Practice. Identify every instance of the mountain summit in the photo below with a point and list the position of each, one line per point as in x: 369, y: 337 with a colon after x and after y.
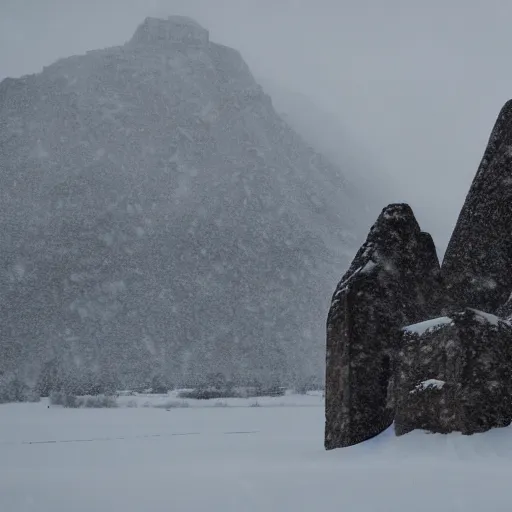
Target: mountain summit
x: 174, y: 30
x: 159, y: 217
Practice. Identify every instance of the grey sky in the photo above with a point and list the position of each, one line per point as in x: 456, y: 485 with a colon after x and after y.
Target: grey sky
x: 418, y: 83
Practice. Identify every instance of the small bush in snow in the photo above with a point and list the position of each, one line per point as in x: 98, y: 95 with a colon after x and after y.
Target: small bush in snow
x: 14, y: 389
x: 76, y: 402
x: 61, y: 398
x: 201, y: 394
x: 126, y: 392
x: 210, y: 393
x: 272, y: 391
x: 172, y: 404
x: 99, y: 402
x: 309, y: 384
x: 159, y: 385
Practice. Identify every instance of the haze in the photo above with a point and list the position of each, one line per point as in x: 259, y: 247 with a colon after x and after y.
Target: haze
x: 417, y: 84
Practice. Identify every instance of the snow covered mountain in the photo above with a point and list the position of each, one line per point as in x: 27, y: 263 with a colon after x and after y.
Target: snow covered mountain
x: 159, y: 217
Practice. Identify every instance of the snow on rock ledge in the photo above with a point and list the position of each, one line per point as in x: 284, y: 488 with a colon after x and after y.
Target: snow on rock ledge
x: 427, y: 325
x: 486, y: 317
x: 429, y: 384
x: 175, y: 29
x: 436, y: 323
x: 469, y: 354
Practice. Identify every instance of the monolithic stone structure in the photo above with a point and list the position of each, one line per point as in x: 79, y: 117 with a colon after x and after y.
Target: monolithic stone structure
x: 394, y: 280
x: 452, y: 373
x: 477, y: 264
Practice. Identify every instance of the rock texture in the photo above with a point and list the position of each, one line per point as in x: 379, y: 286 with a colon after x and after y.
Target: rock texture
x: 454, y: 374
x: 449, y: 373
x: 157, y: 215
x: 394, y: 280
x: 477, y: 263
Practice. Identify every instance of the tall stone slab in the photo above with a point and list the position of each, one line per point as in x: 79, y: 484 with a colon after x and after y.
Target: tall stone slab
x: 477, y: 263
x: 394, y: 280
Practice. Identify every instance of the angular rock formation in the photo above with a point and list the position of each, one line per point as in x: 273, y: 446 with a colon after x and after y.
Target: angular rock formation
x: 394, y: 280
x: 454, y: 374
x: 476, y: 267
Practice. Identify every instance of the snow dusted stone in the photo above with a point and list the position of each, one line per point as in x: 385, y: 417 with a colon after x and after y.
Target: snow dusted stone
x: 476, y: 267
x: 394, y: 280
x: 454, y: 374
x: 505, y: 310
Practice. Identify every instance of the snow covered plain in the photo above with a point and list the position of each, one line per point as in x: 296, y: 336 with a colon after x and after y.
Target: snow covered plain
x: 234, y: 457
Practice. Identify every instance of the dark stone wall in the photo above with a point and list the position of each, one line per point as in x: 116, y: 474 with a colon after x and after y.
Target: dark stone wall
x: 455, y: 376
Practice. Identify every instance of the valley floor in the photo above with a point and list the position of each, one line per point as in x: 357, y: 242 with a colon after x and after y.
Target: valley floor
x: 229, y: 458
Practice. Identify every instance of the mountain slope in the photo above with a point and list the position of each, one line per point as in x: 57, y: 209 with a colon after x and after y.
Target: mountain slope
x: 160, y: 217
x: 327, y: 135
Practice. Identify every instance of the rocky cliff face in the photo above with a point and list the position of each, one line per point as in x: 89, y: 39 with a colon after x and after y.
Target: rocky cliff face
x: 394, y: 279
x: 478, y: 259
x: 157, y: 215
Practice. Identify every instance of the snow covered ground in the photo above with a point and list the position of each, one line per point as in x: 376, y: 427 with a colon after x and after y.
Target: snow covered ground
x: 227, y: 458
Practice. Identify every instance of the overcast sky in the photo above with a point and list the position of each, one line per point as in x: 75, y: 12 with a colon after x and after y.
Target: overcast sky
x: 418, y: 83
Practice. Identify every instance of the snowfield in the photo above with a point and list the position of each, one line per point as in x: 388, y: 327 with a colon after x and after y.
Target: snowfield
x: 235, y: 457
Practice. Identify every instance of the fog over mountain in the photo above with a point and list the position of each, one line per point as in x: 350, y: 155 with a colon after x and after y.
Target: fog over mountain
x: 328, y: 135
x: 417, y: 85
x: 160, y: 218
